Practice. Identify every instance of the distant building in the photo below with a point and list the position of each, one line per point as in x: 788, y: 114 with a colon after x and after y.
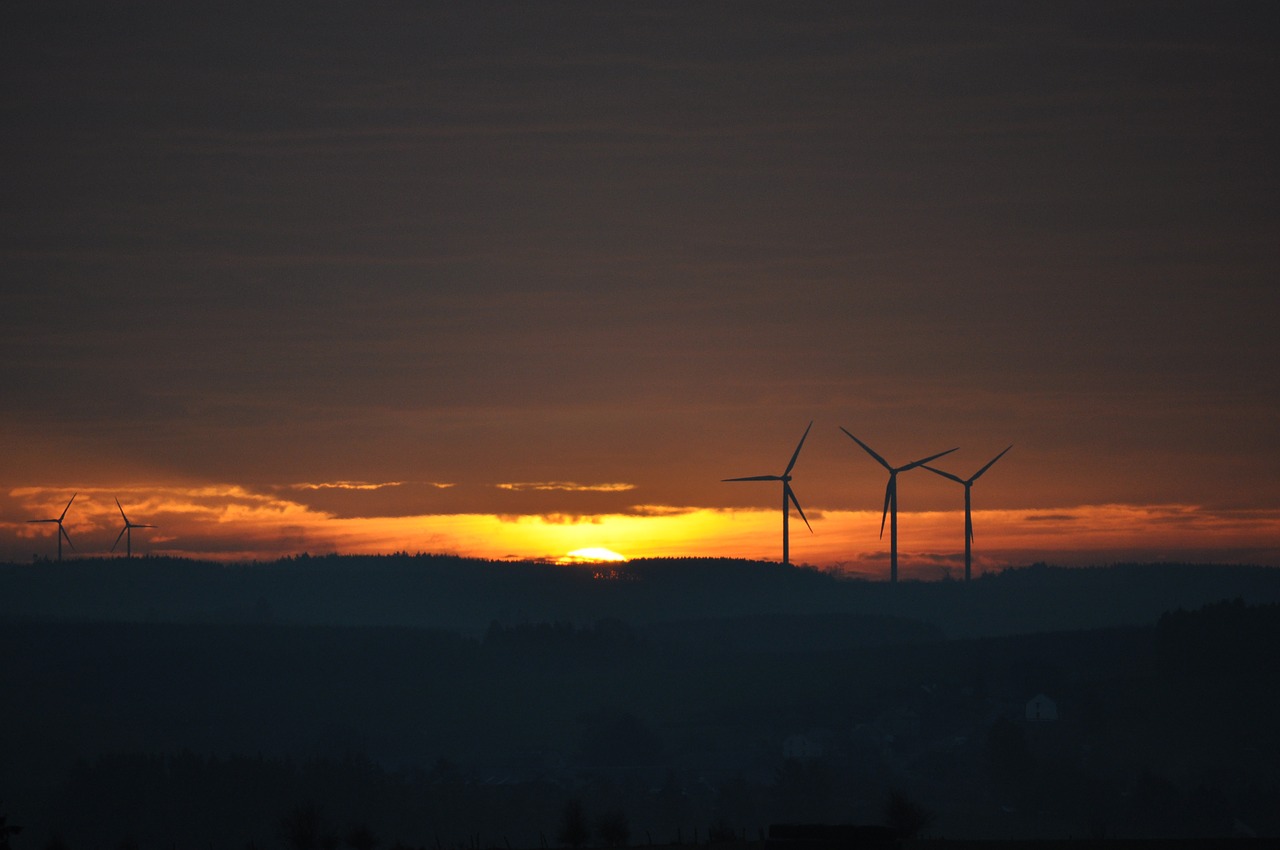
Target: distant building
x: 805, y: 747
x: 1040, y: 708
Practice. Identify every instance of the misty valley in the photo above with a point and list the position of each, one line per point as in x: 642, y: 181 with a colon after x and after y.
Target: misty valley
x: 431, y: 701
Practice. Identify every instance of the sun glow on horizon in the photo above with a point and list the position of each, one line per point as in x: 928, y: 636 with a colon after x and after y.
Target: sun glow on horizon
x: 235, y: 523
x: 592, y: 555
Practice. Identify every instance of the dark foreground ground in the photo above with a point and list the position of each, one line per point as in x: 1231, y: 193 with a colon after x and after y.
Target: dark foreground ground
x: 154, y: 705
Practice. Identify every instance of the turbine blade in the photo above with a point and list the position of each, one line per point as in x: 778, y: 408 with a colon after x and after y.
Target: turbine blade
x: 796, y: 454
x: 755, y: 478
x: 118, y: 536
x: 988, y: 466
x: 68, y: 507
x: 792, y: 496
x: 955, y: 478
x: 968, y: 526
x: 922, y: 461
x: 888, y: 494
x: 65, y: 535
x: 869, y: 450
x: 42, y: 520
x: 126, y: 519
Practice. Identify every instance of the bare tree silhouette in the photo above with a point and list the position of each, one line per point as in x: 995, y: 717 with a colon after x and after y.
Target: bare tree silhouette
x: 905, y: 816
x: 7, y: 831
x: 304, y: 829
x: 613, y: 829
x: 573, y: 825
x: 361, y: 837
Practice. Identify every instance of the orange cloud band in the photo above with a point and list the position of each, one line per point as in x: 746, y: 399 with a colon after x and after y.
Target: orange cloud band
x: 234, y: 523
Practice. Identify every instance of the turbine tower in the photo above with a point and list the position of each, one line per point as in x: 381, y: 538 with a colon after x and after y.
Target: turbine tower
x: 891, y: 499
x: 968, y: 516
x: 788, y: 497
x: 127, y: 533
x: 62, y: 532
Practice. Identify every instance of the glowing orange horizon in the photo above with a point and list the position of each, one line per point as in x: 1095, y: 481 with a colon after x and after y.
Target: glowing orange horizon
x: 592, y: 555
x: 230, y: 523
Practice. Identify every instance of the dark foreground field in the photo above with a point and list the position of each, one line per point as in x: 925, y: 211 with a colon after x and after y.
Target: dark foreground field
x: 316, y: 704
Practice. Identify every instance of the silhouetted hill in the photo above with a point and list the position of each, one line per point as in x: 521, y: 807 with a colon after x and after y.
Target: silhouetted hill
x: 1046, y: 598
x: 465, y: 595
x: 787, y: 633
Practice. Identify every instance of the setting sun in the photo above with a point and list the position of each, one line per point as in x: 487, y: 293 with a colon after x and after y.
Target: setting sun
x: 592, y: 554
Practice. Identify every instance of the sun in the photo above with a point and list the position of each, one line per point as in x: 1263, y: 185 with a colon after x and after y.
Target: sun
x: 592, y: 555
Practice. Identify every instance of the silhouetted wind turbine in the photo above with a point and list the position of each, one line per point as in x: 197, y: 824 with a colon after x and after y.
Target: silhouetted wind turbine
x: 127, y: 533
x: 891, y: 498
x: 968, y: 516
x: 788, y: 497
x: 62, y: 532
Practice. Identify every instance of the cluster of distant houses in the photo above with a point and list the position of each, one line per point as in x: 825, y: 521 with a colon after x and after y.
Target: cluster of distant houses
x: 879, y: 737
x: 815, y: 745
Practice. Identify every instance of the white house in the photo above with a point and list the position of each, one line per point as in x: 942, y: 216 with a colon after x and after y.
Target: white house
x: 1040, y: 708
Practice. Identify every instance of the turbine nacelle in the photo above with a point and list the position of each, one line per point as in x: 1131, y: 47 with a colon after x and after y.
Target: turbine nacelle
x: 127, y: 530
x: 967, y: 483
x: 788, y: 495
x: 890, y: 511
x: 62, y: 531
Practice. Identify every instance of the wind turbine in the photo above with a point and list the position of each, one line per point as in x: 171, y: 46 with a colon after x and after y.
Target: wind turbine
x: 62, y: 532
x: 788, y: 497
x: 891, y: 498
x: 127, y: 533
x: 968, y: 516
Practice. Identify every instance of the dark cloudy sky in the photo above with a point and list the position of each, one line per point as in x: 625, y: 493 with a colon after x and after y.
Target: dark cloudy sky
x: 279, y: 275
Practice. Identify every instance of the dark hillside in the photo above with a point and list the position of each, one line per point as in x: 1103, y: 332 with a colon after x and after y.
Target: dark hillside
x: 463, y: 595
x: 735, y: 693
x: 1152, y: 736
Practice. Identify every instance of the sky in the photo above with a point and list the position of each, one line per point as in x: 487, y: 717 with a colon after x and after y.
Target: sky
x: 516, y: 279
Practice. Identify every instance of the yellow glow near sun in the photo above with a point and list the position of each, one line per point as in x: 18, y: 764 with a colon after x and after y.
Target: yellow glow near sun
x: 592, y: 554
x: 231, y: 522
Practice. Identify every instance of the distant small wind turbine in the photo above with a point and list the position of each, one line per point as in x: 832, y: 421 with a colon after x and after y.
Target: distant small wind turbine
x: 62, y: 532
x: 788, y: 497
x: 891, y: 498
x: 127, y: 533
x: 968, y: 516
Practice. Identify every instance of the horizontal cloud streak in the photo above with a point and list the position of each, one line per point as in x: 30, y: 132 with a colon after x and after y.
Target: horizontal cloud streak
x: 231, y: 522
x: 353, y: 485
x: 566, y: 486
